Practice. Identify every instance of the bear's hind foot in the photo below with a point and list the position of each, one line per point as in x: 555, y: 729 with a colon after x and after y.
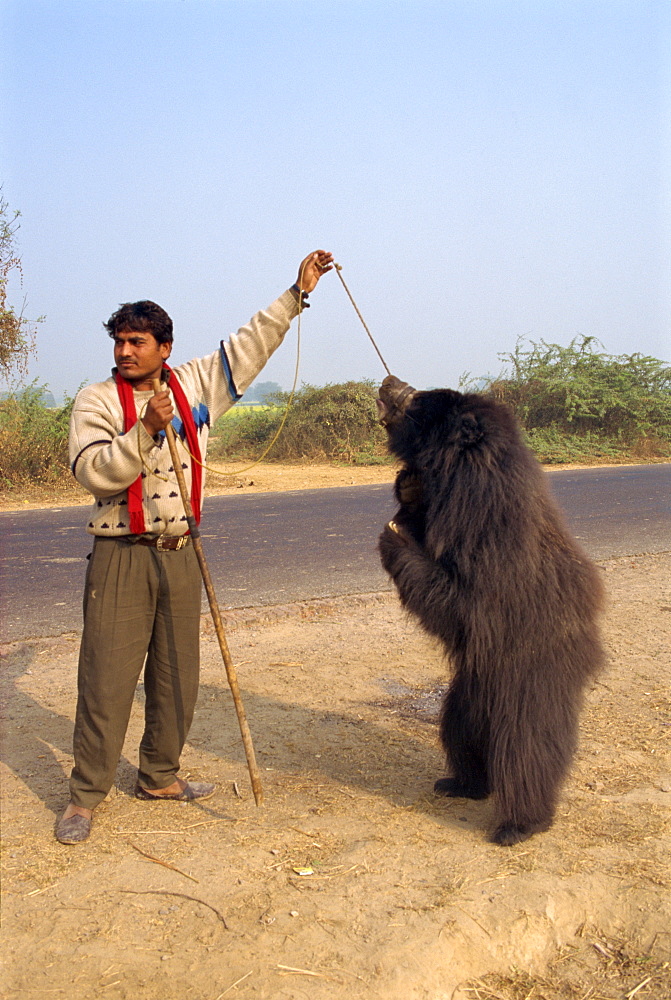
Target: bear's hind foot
x: 507, y: 834
x: 455, y: 789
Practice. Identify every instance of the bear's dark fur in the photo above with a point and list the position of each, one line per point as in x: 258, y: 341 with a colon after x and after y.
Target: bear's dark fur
x: 480, y: 554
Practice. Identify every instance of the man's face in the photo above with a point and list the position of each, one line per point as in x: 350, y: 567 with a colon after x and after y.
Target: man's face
x: 139, y: 356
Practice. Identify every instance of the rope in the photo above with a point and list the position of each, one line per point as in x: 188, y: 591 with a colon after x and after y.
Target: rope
x: 218, y: 472
x: 286, y: 409
x: 338, y: 268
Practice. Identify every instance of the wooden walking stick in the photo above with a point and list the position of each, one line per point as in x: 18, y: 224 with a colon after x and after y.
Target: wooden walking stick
x: 214, y: 609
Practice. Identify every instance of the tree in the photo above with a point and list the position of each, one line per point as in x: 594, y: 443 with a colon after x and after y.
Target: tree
x: 259, y: 391
x: 17, y: 334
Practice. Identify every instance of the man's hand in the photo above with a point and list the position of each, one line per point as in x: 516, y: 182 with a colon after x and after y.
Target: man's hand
x: 158, y: 414
x: 312, y: 268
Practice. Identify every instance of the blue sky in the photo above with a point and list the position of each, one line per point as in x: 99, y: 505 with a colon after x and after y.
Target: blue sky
x: 483, y: 171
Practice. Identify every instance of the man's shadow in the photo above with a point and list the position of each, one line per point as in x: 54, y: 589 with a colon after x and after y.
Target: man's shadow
x: 36, y: 741
x: 341, y: 746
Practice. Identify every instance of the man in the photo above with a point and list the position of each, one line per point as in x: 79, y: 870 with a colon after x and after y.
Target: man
x: 143, y: 584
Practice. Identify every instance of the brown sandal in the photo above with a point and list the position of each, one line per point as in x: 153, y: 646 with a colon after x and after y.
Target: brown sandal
x: 192, y: 790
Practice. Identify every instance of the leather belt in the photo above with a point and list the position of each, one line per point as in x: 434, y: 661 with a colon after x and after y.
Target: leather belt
x: 162, y: 542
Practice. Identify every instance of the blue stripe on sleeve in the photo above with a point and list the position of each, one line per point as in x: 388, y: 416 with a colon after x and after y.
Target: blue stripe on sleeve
x: 228, y: 375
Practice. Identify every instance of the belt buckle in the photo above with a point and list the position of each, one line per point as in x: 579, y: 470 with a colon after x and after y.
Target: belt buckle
x: 171, y: 543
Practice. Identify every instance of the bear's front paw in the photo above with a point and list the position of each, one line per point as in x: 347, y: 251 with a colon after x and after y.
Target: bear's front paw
x: 398, y: 531
x: 408, y: 488
x: 393, y: 538
x: 391, y: 543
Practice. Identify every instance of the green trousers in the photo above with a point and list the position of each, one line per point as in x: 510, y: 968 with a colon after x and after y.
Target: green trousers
x: 141, y: 606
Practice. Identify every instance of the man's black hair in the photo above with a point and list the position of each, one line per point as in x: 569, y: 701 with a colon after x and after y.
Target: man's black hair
x: 145, y: 317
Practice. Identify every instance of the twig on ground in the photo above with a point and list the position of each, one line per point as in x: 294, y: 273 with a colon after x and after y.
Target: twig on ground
x: 307, y: 972
x: 233, y: 985
x: 182, y: 895
x: 157, y: 861
x: 640, y: 986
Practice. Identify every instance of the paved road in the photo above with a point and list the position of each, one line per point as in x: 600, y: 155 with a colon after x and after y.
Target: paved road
x: 273, y: 548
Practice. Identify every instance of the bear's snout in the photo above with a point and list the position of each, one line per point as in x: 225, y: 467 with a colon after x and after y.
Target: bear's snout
x: 394, y: 397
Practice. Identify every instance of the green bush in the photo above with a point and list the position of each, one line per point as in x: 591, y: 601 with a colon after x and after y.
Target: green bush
x: 334, y: 423
x: 580, y: 391
x: 576, y: 404
x: 553, y: 447
x: 33, y: 439
x: 244, y: 434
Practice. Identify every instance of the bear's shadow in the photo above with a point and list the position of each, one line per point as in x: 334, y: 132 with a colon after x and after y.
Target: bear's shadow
x: 343, y: 747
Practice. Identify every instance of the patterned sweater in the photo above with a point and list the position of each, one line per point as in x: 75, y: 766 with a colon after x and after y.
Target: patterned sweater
x: 105, y: 461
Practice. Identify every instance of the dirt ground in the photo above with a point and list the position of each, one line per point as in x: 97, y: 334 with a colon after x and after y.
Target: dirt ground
x: 234, y: 477
x: 351, y: 880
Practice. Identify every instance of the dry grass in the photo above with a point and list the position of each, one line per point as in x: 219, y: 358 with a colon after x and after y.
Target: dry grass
x: 619, y: 971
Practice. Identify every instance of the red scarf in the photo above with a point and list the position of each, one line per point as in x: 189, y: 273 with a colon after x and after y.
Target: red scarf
x: 135, y: 509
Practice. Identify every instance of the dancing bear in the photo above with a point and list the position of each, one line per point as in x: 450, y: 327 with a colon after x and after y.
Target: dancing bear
x: 480, y: 554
